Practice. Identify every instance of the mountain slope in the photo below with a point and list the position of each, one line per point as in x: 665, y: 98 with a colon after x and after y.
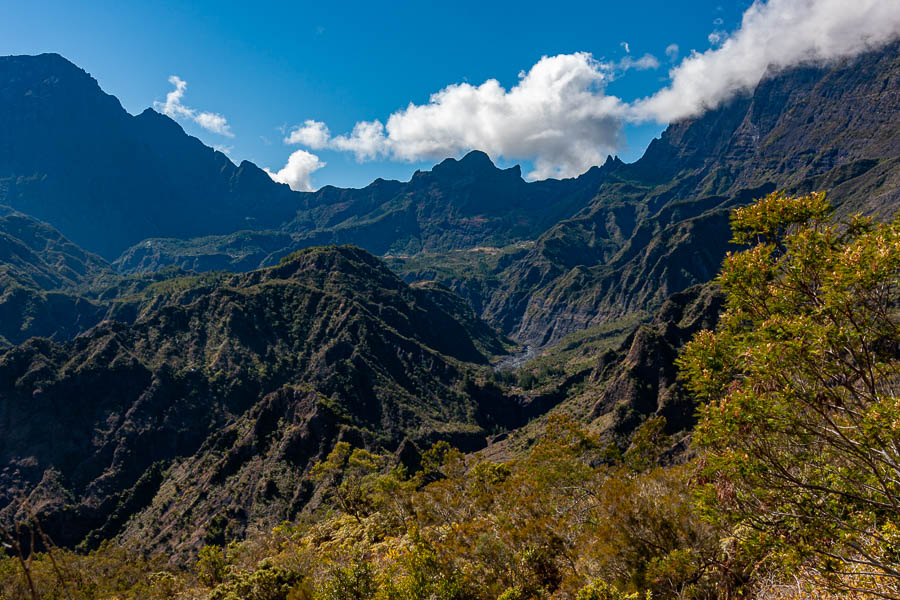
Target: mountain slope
x: 614, y: 377
x: 70, y: 155
x: 458, y: 205
x: 660, y: 225
x: 51, y: 288
x: 329, y: 340
x: 39, y: 271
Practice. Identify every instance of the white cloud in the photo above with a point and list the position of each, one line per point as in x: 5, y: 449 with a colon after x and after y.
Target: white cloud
x: 626, y: 46
x: 672, y: 52
x: 173, y: 107
x: 296, y: 173
x: 717, y: 37
x: 559, y: 117
x: 367, y: 141
x: 773, y: 36
x: 556, y: 115
x: 213, y: 122
x: 313, y: 134
x: 647, y: 61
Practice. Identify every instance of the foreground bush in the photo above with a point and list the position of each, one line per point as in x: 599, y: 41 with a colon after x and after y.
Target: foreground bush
x: 564, y: 520
x: 801, y: 420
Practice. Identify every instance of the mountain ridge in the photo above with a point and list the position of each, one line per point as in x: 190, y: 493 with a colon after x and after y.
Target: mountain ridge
x: 648, y: 234
x: 329, y: 331
x: 70, y: 155
x: 625, y: 233
x: 175, y: 397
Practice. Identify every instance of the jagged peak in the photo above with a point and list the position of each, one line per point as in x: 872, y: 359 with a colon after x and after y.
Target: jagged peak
x: 151, y: 115
x: 474, y: 162
x: 477, y: 158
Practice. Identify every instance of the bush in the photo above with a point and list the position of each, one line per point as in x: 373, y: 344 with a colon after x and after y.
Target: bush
x: 801, y: 419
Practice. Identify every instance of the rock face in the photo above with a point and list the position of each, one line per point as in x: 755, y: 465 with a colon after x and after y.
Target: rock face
x: 256, y: 377
x: 459, y: 204
x: 660, y: 225
x: 640, y: 379
x: 71, y: 156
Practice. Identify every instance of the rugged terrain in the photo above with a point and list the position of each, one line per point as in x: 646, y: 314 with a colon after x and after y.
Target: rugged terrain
x: 660, y: 225
x: 175, y: 356
x: 619, y: 239
x: 255, y: 375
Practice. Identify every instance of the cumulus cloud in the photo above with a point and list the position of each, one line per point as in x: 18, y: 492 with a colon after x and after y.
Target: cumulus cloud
x: 559, y: 116
x: 773, y: 36
x: 298, y: 170
x: 313, y: 134
x: 173, y: 107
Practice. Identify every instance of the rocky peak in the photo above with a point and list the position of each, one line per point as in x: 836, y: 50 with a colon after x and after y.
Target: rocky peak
x: 475, y: 164
x: 51, y: 86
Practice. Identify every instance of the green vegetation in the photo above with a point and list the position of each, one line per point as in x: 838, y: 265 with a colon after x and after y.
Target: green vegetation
x: 289, y: 431
x: 242, y: 384
x: 801, y: 421
x: 791, y: 492
x: 477, y: 264
x: 579, y: 350
x: 458, y: 529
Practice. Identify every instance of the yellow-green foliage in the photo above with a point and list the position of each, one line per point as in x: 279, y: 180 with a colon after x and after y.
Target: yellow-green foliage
x: 801, y: 424
x: 796, y: 480
x: 600, y: 590
x: 544, y: 526
x: 106, y: 573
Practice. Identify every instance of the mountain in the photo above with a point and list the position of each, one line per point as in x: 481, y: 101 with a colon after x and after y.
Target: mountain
x: 240, y: 251
x: 619, y: 239
x: 660, y: 225
x: 40, y: 271
x: 458, y: 205
x: 255, y: 377
x: 70, y: 155
x: 37, y: 255
x: 170, y: 403
x: 51, y: 288
x: 616, y: 376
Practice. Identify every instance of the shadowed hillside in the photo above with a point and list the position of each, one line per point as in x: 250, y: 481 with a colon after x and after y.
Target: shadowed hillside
x: 328, y: 345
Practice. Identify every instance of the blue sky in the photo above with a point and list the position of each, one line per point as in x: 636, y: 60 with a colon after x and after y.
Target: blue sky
x: 267, y: 67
